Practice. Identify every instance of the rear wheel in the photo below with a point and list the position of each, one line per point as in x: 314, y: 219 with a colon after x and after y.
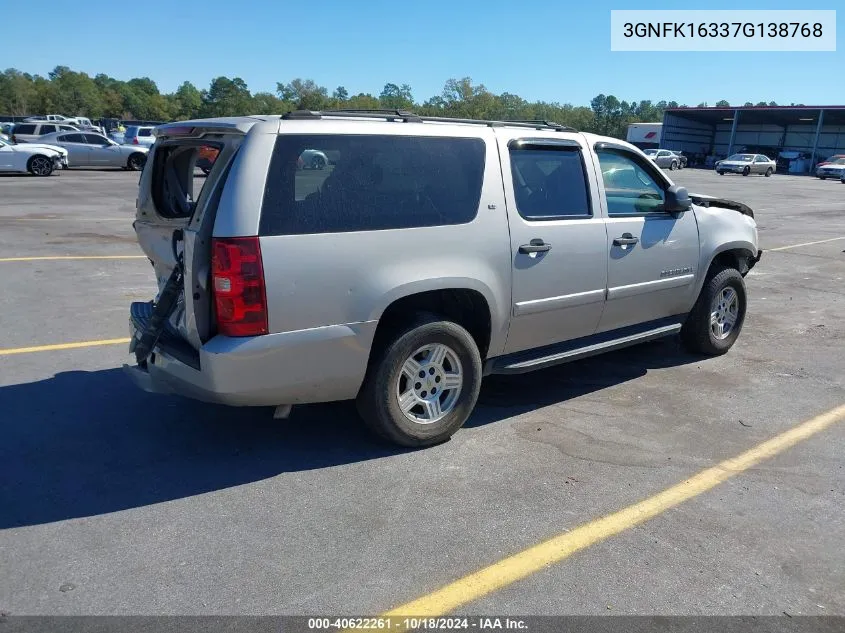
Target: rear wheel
x: 318, y: 162
x: 423, y: 385
x: 721, y: 173
x: 40, y: 165
x: 673, y: 165
x: 715, y: 321
x: 136, y: 162
x: 768, y: 172
x: 822, y: 177
x: 746, y: 170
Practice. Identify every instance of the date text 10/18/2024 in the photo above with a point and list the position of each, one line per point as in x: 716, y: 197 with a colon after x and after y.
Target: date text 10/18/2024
x: 418, y: 624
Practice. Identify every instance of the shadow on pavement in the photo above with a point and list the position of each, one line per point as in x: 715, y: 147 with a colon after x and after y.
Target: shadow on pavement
x: 85, y: 443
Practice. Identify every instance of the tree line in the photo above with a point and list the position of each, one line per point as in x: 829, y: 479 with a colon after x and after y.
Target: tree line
x: 72, y: 93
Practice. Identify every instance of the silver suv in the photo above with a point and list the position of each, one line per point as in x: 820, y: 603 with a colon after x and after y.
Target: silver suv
x: 427, y: 254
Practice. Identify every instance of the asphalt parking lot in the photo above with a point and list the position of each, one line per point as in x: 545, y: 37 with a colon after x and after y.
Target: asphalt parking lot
x: 113, y: 501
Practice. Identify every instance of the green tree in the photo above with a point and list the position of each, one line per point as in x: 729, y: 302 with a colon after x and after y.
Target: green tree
x: 186, y: 102
x: 723, y: 104
x: 396, y: 97
x: 340, y: 94
x: 303, y: 94
x: 226, y: 97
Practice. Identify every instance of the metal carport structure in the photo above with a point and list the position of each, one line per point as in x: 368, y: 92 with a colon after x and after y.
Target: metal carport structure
x: 815, y: 132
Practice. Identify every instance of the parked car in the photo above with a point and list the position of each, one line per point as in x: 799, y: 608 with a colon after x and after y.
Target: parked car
x: 664, y: 158
x: 139, y: 135
x: 46, y: 117
x: 746, y: 164
x: 313, y: 159
x: 35, y: 158
x: 684, y: 160
x: 311, y: 288
x: 834, y: 169
x: 87, y: 149
x: 31, y: 132
x: 831, y: 159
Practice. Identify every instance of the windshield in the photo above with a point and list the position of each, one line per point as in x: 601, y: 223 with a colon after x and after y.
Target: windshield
x: 839, y: 161
x: 745, y: 158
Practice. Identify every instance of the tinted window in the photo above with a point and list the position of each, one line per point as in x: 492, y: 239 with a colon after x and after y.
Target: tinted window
x: 46, y: 129
x: 66, y: 127
x: 339, y: 183
x: 549, y: 183
x: 95, y: 139
x: 72, y: 138
x: 143, y: 132
x: 25, y: 129
x: 629, y: 187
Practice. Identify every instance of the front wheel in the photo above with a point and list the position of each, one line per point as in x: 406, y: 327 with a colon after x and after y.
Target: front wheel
x: 821, y: 177
x: 318, y: 162
x: 746, y: 170
x: 768, y: 172
x: 423, y: 385
x: 40, y: 166
x: 715, y: 321
x: 721, y: 173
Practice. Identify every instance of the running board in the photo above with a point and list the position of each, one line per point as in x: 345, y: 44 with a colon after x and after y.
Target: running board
x: 530, y: 360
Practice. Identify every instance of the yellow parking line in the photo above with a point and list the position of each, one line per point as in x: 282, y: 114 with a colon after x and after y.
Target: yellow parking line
x: 69, y: 257
x: 558, y: 548
x: 60, y: 346
x: 783, y: 248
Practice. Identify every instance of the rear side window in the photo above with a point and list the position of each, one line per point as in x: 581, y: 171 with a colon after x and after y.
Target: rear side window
x: 25, y: 129
x: 46, y: 129
x: 344, y: 183
x: 72, y: 138
x: 143, y: 132
x: 550, y: 183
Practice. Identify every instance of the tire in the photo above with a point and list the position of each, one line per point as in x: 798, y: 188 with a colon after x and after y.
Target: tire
x: 821, y: 177
x: 40, y: 165
x: 387, y: 378
x: 721, y: 173
x: 697, y: 333
x: 746, y: 170
x: 673, y: 165
x: 768, y: 172
x: 136, y: 161
x: 318, y: 162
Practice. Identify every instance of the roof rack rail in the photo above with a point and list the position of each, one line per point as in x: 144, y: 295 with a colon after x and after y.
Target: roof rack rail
x: 390, y: 115
x: 543, y: 122
x: 411, y: 117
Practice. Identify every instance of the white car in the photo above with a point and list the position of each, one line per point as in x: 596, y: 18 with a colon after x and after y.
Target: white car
x: 834, y: 169
x: 35, y: 158
x: 746, y: 164
x: 29, y: 132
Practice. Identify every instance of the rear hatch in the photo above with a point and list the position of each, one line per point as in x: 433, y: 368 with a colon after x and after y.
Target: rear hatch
x: 176, y: 208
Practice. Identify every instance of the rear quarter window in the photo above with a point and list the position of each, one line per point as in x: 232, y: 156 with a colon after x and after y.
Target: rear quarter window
x: 345, y: 183
x: 25, y: 129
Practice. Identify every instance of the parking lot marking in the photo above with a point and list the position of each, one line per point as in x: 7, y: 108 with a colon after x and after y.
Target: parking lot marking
x: 539, y: 557
x: 68, y: 257
x: 783, y: 248
x: 60, y: 346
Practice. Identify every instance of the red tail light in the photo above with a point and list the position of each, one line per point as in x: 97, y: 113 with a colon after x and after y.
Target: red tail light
x: 238, y: 277
x: 135, y: 140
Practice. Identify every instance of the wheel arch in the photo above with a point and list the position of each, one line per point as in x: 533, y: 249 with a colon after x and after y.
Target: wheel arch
x: 468, y: 303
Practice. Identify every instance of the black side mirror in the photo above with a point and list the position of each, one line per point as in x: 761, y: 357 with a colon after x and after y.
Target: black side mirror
x: 677, y: 200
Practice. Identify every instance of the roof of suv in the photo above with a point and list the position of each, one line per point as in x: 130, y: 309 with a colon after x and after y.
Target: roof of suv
x: 244, y: 123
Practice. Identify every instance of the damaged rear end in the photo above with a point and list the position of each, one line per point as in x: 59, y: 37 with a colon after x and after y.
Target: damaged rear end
x: 180, y: 193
